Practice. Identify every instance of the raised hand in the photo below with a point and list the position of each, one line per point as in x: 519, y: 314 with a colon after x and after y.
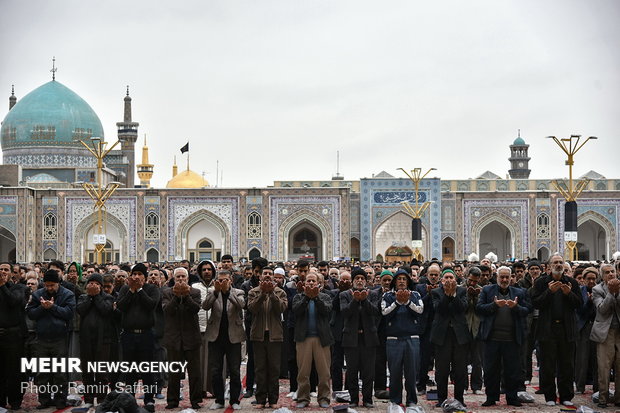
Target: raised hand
x: 499, y: 303
x: 512, y: 303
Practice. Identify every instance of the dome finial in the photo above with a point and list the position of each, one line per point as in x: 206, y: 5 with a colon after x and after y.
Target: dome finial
x: 518, y: 133
x: 12, y: 90
x: 127, y: 90
x: 54, y: 68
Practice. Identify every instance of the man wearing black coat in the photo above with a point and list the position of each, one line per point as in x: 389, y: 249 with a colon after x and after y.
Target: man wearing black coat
x: 359, y: 308
x: 97, y: 335
x: 137, y: 301
x: 557, y: 297
x: 12, y: 334
x: 52, y: 307
x: 450, y: 335
x: 182, y: 337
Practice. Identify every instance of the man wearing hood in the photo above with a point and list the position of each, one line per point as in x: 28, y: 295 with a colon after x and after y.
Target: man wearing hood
x: 97, y: 334
x: 206, y: 272
x: 52, y: 307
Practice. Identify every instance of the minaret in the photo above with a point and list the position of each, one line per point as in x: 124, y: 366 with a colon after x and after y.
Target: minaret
x: 145, y: 169
x: 12, y: 98
x: 128, y: 135
x: 519, y: 159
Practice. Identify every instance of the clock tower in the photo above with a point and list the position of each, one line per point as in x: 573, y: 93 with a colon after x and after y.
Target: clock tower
x: 519, y: 168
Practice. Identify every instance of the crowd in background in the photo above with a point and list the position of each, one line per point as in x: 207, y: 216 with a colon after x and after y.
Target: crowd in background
x: 326, y: 327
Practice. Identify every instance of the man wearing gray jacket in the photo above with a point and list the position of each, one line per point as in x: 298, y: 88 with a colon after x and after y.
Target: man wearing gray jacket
x: 606, y: 331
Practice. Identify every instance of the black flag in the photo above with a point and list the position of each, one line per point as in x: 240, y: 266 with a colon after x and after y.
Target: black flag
x: 185, y: 148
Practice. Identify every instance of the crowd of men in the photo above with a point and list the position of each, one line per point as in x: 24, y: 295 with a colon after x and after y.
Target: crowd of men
x: 477, y: 324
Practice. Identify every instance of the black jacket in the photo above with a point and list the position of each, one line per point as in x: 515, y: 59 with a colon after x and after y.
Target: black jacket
x: 96, y: 318
x: 542, y: 298
x: 138, y: 309
x: 53, y: 323
x: 352, y: 311
x: 323, y: 303
x: 449, y: 313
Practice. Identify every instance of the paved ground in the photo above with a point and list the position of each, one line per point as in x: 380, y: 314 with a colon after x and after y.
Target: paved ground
x: 473, y: 403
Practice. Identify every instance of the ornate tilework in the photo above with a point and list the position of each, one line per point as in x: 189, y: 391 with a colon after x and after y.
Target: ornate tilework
x: 324, y: 211
x: 8, y: 214
x: 511, y: 212
x: 609, y: 209
x: 372, y: 213
x: 41, y: 160
x: 77, y: 210
x: 180, y: 208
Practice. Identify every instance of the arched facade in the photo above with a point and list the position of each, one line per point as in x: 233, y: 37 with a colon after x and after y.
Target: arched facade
x: 596, y: 236
x: 395, y: 231
x: 7, y: 245
x: 83, y: 238
x: 195, y: 227
x: 495, y: 237
x: 447, y: 249
x: 514, y: 247
x: 297, y: 221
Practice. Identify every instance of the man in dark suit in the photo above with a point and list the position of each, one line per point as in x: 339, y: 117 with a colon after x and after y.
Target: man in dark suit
x: 225, y: 334
x: 450, y: 335
x: 182, y: 336
x: 503, y: 309
x: 557, y: 296
x: 360, y: 314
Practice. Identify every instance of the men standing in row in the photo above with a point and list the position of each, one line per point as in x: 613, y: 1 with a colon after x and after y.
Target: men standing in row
x: 182, y: 337
x: 503, y: 309
x: 52, y: 307
x: 267, y: 302
x: 137, y: 302
x: 557, y: 296
x: 360, y: 313
x: 12, y: 334
x: 225, y: 334
x: 314, y: 338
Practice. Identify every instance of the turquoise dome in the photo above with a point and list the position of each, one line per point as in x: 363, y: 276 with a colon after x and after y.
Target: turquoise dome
x: 519, y: 141
x: 51, y: 115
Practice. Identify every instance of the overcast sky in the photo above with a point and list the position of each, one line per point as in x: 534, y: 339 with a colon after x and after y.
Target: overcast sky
x: 272, y: 89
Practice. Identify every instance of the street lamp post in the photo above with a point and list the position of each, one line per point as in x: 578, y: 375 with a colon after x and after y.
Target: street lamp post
x: 570, y: 191
x: 99, y: 194
x: 416, y: 211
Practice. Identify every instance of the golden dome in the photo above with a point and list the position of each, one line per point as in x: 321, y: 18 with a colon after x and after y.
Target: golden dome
x: 187, y: 179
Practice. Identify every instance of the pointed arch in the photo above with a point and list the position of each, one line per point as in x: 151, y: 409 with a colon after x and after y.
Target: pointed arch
x: 301, y: 216
x: 606, y: 243
x: 254, y: 253
x: 81, y: 241
x: 8, y: 244
x: 515, y: 233
x: 181, y: 243
x: 401, y: 235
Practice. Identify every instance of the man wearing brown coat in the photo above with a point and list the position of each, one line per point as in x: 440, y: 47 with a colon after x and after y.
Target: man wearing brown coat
x: 267, y: 302
x: 182, y: 336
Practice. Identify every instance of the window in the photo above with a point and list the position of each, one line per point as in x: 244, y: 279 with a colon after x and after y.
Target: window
x: 254, y: 225
x: 205, y: 250
x: 542, y: 226
x: 151, y: 226
x: 50, y: 231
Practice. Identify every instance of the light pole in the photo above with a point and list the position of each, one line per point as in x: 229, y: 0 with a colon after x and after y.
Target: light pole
x: 99, y: 194
x: 416, y: 211
x: 570, y: 192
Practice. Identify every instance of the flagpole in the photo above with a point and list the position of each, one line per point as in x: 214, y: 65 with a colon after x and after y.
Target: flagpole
x: 217, y: 173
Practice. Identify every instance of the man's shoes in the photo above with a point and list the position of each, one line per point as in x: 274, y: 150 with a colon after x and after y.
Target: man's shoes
x: 568, y: 403
x: 439, y: 403
x: 150, y: 407
x: 216, y: 406
x: 353, y: 405
x: 236, y: 406
x: 172, y: 405
x: 602, y: 405
x: 255, y: 402
x: 302, y: 405
x: 421, y: 391
x: 369, y: 405
x: 196, y: 406
x: 382, y: 394
x: 463, y: 403
x: 313, y: 394
x: 324, y: 404
x: 248, y: 393
x: 540, y: 391
x: 488, y: 403
x: 478, y: 392
x: 515, y: 403
x: 160, y: 396
x: 290, y: 395
x: 550, y: 403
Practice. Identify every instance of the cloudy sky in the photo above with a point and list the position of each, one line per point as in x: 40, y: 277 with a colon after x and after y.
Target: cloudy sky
x: 272, y: 89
